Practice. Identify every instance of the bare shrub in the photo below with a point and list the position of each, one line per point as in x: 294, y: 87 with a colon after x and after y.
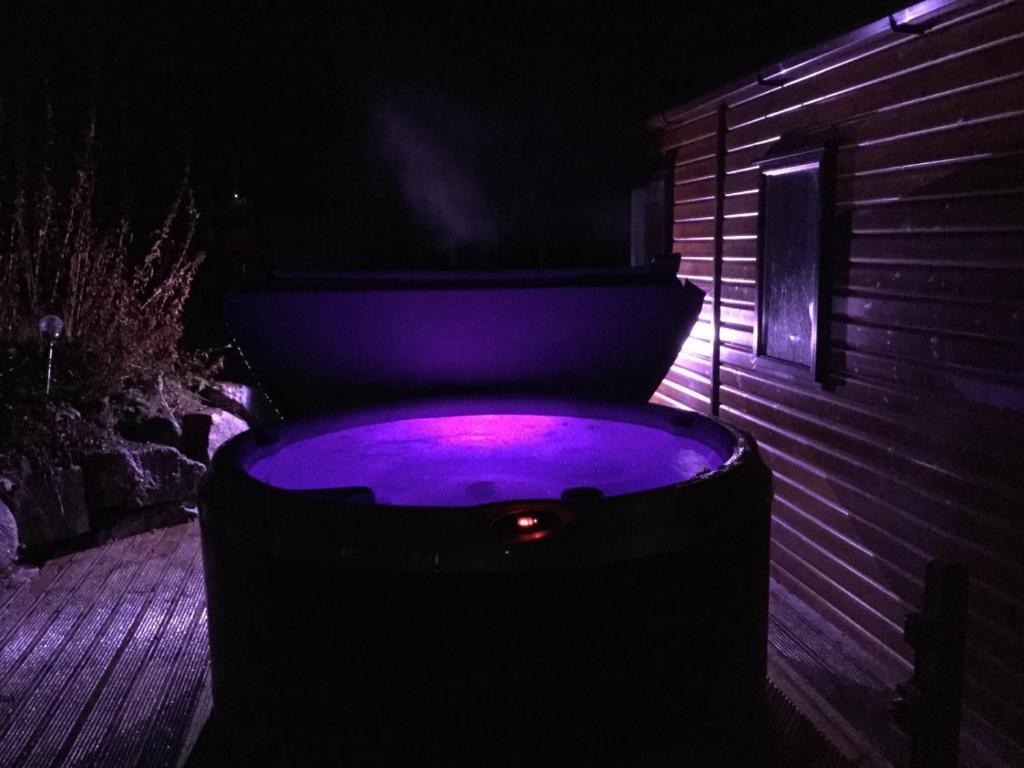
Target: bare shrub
x: 63, y: 252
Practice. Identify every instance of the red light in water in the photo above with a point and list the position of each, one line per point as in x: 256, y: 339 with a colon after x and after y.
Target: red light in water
x: 527, y: 521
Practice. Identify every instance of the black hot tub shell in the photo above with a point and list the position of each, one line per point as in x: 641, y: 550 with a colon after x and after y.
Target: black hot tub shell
x: 502, y: 563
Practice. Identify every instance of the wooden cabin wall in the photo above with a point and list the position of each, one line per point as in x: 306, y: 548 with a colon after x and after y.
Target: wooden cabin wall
x: 912, y: 449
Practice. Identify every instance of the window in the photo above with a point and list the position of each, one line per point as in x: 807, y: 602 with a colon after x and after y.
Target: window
x: 792, y: 312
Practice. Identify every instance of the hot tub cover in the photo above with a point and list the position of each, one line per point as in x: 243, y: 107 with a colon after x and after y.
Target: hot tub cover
x: 319, y: 340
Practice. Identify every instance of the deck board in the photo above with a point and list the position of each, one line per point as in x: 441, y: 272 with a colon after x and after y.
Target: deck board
x: 105, y: 663
x: 100, y: 735
x: 40, y: 607
x: 92, y: 670
x: 46, y: 689
x: 159, y: 679
x: 837, y: 669
x: 80, y: 668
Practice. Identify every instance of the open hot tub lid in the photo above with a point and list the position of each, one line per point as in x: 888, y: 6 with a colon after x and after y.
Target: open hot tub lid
x: 318, y: 340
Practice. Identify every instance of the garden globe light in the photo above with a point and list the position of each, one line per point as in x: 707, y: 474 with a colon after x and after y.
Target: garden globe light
x: 50, y: 329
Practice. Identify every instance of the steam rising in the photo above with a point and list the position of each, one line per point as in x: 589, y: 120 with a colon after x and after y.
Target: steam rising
x: 434, y: 155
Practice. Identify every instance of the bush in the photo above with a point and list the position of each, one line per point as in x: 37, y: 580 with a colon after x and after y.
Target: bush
x: 63, y: 252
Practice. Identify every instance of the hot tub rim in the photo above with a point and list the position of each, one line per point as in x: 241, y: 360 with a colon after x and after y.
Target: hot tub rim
x: 326, y: 524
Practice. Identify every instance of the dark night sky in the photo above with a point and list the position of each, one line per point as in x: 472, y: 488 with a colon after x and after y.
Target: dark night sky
x: 359, y: 131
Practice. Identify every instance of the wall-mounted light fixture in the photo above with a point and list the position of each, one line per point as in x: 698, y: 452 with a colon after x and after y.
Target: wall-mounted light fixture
x: 907, y: 27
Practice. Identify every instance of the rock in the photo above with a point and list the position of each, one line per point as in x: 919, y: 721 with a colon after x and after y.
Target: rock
x: 8, y: 537
x: 134, y: 396
x: 228, y: 396
x: 240, y: 400
x: 204, y: 433
x: 133, y: 476
x: 47, y: 505
x: 113, y: 524
x: 66, y: 416
x: 14, y: 576
x: 223, y: 426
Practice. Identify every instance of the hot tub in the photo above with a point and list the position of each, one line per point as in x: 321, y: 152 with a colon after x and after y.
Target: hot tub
x: 520, y: 572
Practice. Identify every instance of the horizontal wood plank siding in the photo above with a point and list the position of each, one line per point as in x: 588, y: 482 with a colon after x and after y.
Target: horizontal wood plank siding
x: 914, y: 447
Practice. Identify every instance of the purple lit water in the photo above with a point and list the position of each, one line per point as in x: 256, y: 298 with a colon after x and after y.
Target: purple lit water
x: 475, y: 459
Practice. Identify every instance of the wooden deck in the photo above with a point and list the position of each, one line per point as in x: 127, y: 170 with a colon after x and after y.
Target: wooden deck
x: 103, y: 662
x: 103, y: 655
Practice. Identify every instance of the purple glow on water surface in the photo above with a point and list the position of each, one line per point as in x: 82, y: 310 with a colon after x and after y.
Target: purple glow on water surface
x: 479, y: 431
x: 475, y: 459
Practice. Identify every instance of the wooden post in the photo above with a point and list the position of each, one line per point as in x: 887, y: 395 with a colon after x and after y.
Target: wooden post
x: 928, y: 707
x: 721, y: 148
x: 195, y: 436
